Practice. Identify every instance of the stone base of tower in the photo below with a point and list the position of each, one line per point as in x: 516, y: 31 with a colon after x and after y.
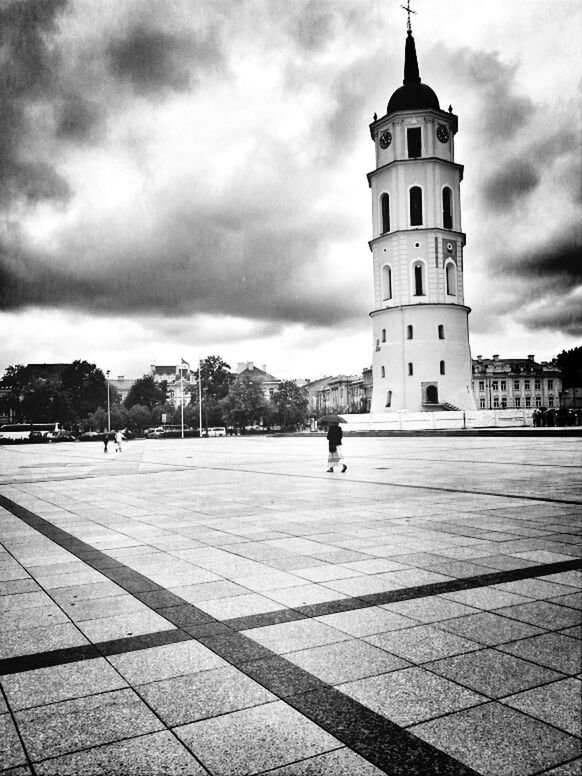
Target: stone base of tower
x: 421, y: 360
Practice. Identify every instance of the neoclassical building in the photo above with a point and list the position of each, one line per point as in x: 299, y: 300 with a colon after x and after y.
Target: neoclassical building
x: 421, y: 358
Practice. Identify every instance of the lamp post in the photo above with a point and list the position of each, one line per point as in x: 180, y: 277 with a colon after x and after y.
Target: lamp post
x: 108, y: 404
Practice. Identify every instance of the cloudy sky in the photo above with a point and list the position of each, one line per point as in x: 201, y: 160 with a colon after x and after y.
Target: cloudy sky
x: 180, y: 178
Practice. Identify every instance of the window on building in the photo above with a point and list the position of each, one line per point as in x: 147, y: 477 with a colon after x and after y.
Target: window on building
x: 383, y: 371
x: 496, y: 402
x: 537, y: 385
x: 441, y: 331
x: 495, y: 385
x: 442, y: 367
x: 538, y: 401
x: 528, y: 401
x: 386, y: 282
x: 503, y: 385
x: 526, y: 385
x: 383, y: 335
x: 550, y: 401
x: 447, y: 208
x: 481, y: 404
x: 481, y: 385
x: 389, y: 398
x: 419, y: 279
x: 518, y: 401
x: 415, y: 206
x: 414, y: 139
x: 550, y: 385
x: 377, y: 344
x: 385, y: 207
x: 451, y: 278
x: 503, y: 403
x: 516, y: 385
x: 409, y: 332
x: 410, y: 368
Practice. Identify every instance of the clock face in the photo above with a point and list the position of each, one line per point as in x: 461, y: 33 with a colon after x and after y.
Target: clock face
x: 442, y: 133
x: 385, y: 139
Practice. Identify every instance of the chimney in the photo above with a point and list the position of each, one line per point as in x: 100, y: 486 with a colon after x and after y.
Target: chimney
x: 241, y: 366
x: 479, y: 358
x: 531, y: 358
x: 495, y: 356
x: 264, y: 367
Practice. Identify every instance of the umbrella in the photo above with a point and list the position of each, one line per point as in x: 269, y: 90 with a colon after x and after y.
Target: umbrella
x: 332, y: 419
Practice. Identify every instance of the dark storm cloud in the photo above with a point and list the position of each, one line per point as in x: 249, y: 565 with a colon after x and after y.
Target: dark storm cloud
x: 154, y: 61
x: 510, y: 183
x: 26, y: 78
x: 502, y: 111
x: 537, y: 284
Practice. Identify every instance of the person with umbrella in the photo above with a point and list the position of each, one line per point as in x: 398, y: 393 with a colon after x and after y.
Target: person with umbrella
x: 334, y: 439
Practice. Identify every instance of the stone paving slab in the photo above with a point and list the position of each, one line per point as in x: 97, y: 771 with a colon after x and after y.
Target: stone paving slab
x: 224, y: 606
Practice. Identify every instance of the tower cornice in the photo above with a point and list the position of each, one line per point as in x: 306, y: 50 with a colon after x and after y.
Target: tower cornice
x: 421, y: 304
x: 418, y: 230
x: 392, y: 118
x: 419, y: 160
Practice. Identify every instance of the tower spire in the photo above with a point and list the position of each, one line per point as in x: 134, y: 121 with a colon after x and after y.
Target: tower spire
x: 411, y: 72
x: 408, y: 10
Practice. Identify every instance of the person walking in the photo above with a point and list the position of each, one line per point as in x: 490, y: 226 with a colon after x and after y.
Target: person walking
x: 118, y: 440
x: 335, y: 456
x: 105, y: 440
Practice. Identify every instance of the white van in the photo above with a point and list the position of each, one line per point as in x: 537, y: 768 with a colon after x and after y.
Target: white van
x: 216, y: 431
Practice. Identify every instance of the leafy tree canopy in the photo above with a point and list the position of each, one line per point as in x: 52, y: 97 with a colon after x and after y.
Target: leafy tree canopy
x: 290, y: 404
x: 216, y: 380
x: 570, y: 362
x: 147, y: 392
x: 245, y: 403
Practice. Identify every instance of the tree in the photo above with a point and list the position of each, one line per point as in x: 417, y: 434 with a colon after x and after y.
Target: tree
x: 289, y: 404
x: 44, y: 401
x: 570, y: 363
x: 245, y: 403
x: 139, y: 417
x: 216, y: 381
x: 13, y: 384
x: 85, y: 387
x: 146, y: 392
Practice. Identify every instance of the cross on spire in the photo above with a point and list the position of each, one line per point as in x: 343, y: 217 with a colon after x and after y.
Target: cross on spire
x: 408, y: 10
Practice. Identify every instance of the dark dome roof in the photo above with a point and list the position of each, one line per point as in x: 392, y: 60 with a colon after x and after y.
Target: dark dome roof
x: 413, y: 96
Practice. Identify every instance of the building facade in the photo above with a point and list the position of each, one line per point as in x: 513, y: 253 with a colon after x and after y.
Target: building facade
x: 268, y: 383
x: 178, y: 377
x: 508, y: 383
x: 421, y: 358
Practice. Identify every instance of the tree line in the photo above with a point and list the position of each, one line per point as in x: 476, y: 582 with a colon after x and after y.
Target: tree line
x: 75, y: 395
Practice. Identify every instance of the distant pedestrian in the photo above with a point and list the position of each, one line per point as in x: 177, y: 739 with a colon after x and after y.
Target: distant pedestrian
x: 105, y: 440
x: 118, y: 440
x: 335, y: 456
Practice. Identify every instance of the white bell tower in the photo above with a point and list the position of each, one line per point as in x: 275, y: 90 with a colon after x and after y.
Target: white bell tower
x: 421, y: 359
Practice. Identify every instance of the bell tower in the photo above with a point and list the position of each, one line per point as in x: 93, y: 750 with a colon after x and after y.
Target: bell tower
x: 421, y: 359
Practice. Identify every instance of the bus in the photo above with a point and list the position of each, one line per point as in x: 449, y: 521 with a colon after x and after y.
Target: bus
x: 16, y: 431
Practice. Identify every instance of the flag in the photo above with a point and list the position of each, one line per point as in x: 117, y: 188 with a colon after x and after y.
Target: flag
x: 185, y: 362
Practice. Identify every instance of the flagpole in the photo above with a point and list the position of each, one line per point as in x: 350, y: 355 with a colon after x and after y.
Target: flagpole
x: 200, y: 398
x: 182, y: 387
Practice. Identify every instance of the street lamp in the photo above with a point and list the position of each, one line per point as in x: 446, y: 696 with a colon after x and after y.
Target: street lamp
x: 108, y: 404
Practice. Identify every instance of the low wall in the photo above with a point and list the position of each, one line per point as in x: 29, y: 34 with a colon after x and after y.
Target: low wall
x: 403, y: 420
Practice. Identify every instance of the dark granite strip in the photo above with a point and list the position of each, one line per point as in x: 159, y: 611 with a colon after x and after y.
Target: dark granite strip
x: 59, y: 657
x: 404, y: 594
x: 385, y: 744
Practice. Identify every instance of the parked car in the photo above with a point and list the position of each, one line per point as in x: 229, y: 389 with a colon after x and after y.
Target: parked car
x: 216, y: 431
x: 61, y: 436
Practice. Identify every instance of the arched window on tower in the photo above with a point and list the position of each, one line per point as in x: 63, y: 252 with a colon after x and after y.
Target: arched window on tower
x: 451, y: 271
x: 442, y: 367
x: 441, y: 331
x: 386, y: 282
x: 385, y: 207
x: 383, y: 371
x: 419, y: 279
x: 447, y: 208
x: 409, y: 332
x: 416, y: 206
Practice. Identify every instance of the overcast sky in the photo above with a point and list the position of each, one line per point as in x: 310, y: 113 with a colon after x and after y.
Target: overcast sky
x: 180, y: 178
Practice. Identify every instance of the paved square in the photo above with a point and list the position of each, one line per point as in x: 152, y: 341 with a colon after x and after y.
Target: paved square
x: 224, y: 606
